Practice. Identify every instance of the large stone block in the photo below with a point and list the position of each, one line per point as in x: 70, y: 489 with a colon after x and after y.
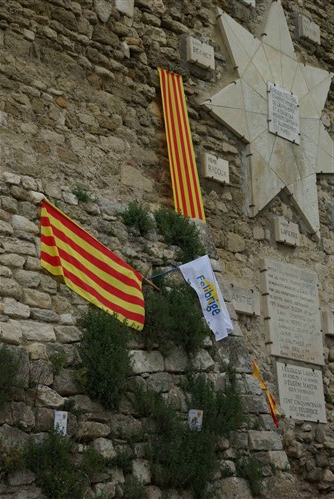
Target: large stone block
x: 89, y: 430
x: 9, y: 287
x: 35, y: 298
x: 37, y: 331
x: 264, y: 440
x: 15, y: 309
x: 146, y: 362
x: 11, y: 332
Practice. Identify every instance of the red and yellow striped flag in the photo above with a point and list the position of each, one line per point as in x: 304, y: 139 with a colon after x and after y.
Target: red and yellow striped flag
x: 186, y: 188
x: 89, y: 268
x: 270, y: 398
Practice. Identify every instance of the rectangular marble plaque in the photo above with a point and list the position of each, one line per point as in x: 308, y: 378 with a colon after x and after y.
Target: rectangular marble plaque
x: 286, y: 232
x: 283, y: 113
x: 200, y: 53
x: 308, y: 29
x: 245, y: 301
x: 216, y: 168
x: 327, y: 321
x: 292, y: 316
x: 301, y: 392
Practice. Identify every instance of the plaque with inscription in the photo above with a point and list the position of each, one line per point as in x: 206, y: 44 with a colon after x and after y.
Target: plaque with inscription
x: 283, y: 113
x: 308, y: 29
x: 216, y: 168
x: 291, y: 308
x: 200, y: 53
x: 301, y: 392
x: 245, y: 301
x: 286, y: 232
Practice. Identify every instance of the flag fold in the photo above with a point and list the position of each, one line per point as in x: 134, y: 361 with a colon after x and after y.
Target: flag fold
x: 270, y: 399
x: 200, y: 275
x: 89, y: 268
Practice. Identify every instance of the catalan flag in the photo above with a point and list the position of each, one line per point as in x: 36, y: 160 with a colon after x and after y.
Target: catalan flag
x: 186, y: 188
x: 89, y: 268
x: 270, y: 398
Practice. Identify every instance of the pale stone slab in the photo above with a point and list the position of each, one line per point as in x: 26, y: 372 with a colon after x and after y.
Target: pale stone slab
x: 327, y: 322
x: 283, y: 113
x: 292, y: 315
x: 125, y: 7
x: 200, y: 53
x: 251, y: 3
x: 286, y: 232
x: 216, y: 168
x: 308, y: 29
x: 301, y: 392
x: 36, y: 331
x: 11, y: 332
x: 277, y: 31
x: 245, y: 301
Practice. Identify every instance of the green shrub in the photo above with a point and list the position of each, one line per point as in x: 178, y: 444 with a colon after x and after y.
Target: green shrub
x: 82, y: 194
x: 58, y: 360
x: 105, y: 361
x: 134, y: 489
x: 9, y: 374
x: 251, y: 470
x: 11, y: 459
x: 51, y: 461
x: 180, y: 231
x: 173, y: 317
x: 137, y: 217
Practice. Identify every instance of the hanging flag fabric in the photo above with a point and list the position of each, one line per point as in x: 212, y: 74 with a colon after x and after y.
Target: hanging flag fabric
x: 89, y: 268
x: 271, y: 401
x: 199, y: 274
x: 185, y: 183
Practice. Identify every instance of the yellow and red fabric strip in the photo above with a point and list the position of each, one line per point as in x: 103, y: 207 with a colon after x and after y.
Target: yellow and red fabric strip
x: 89, y: 268
x: 185, y: 182
x: 270, y: 398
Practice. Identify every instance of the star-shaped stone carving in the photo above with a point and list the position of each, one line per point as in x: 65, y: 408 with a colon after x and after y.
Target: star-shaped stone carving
x: 275, y: 161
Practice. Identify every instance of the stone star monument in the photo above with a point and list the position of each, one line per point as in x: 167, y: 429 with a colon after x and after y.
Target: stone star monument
x: 276, y: 106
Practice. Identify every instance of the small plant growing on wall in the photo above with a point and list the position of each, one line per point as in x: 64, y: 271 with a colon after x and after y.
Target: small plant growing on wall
x: 9, y: 374
x: 82, y: 194
x: 105, y: 361
x: 137, y: 217
x: 180, y: 231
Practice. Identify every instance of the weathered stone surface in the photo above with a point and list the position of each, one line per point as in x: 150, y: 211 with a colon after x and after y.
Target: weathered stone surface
x: 5, y: 228
x: 89, y: 430
x: 35, y: 298
x: 235, y: 487
x: 104, y: 447
x: 176, y: 361
x: 9, y: 287
x: 160, y: 382
x: 15, y: 309
x: 264, y: 440
x: 67, y: 334
x: 146, y: 362
x: 65, y: 383
x: 203, y: 361
x: 141, y: 470
x: 23, y: 416
x: 27, y: 278
x: 49, y: 398
x: 23, y: 223
x: 121, y: 425
x: 37, y: 331
x: 11, y: 332
x: 43, y: 315
x: 37, y: 351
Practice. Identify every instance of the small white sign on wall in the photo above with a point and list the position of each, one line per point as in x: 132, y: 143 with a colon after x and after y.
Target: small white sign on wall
x: 60, y: 422
x: 286, y: 232
x: 215, y: 168
x: 200, y: 53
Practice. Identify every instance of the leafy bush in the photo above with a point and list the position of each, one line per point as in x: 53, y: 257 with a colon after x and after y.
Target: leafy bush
x: 134, y: 489
x: 58, y: 360
x: 82, y: 194
x: 173, y: 317
x: 51, y: 461
x: 11, y: 459
x: 105, y: 361
x: 136, y: 216
x: 181, y: 232
x: 9, y: 374
x: 251, y: 470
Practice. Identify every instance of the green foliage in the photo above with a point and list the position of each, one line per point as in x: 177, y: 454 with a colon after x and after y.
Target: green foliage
x: 92, y: 462
x: 181, y: 232
x: 123, y: 459
x: 251, y: 470
x: 134, y: 489
x: 174, y: 318
x: 58, y: 360
x: 11, y: 459
x: 51, y: 461
x: 82, y: 194
x: 137, y: 217
x: 105, y: 361
x: 9, y: 374
x: 180, y: 457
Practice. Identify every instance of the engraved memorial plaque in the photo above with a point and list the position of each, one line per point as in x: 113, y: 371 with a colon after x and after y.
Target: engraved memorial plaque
x: 245, y: 301
x: 308, y: 29
x: 216, y: 168
x: 301, y: 392
x: 283, y: 113
x: 200, y: 53
x: 292, y: 316
x: 286, y: 232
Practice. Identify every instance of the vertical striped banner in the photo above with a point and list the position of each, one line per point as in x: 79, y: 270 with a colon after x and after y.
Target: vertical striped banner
x: 89, y: 268
x: 186, y: 188
x: 271, y: 401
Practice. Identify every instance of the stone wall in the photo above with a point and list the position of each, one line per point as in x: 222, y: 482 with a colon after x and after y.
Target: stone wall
x: 80, y: 106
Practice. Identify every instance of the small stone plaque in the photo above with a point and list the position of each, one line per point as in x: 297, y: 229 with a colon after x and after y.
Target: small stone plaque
x: 301, y: 392
x: 327, y: 322
x: 216, y: 168
x: 308, y: 29
x: 283, y: 113
x: 291, y: 308
x: 200, y: 53
x: 245, y: 301
x: 286, y: 232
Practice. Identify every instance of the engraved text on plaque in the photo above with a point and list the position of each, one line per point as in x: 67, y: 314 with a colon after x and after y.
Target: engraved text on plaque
x: 283, y: 113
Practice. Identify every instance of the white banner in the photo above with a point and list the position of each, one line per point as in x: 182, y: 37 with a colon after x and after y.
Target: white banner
x: 199, y: 274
